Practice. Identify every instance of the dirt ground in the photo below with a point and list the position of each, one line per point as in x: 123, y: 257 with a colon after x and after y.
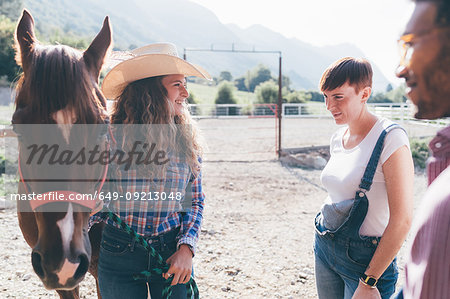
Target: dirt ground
x: 257, y: 233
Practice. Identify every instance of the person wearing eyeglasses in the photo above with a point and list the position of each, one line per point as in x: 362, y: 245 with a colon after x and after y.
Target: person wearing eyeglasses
x: 425, y: 66
x: 357, y: 239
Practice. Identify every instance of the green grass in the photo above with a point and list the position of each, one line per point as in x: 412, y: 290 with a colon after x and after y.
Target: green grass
x: 6, y: 113
x: 205, y: 94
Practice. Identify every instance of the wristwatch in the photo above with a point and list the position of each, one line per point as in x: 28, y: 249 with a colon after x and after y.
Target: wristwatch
x: 368, y: 280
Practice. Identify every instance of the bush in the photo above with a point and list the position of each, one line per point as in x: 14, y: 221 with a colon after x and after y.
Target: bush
x: 316, y: 96
x: 420, y: 152
x: 6, y: 164
x: 247, y: 110
x: 225, y: 93
x: 298, y: 97
x: 2, y: 164
x: 379, y: 97
x: 267, y: 93
x: 192, y: 100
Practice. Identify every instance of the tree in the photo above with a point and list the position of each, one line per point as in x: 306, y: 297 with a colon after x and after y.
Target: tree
x: 225, y: 93
x: 316, y: 96
x: 191, y: 98
x: 379, y: 97
x: 397, y: 95
x: 68, y: 38
x: 257, y: 76
x: 267, y: 92
x: 225, y: 76
x: 298, y: 97
x: 286, y: 82
x: 11, y: 9
x: 240, y: 84
x: 8, y: 66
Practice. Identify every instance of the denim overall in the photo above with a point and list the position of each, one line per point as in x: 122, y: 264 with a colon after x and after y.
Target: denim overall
x: 342, y: 255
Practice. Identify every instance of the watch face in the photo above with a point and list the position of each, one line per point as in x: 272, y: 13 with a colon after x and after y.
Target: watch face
x: 369, y: 280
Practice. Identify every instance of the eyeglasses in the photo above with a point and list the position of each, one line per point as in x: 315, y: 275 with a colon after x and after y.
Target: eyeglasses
x: 405, y: 43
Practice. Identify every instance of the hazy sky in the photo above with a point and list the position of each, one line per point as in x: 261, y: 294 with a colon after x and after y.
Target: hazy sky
x: 372, y: 25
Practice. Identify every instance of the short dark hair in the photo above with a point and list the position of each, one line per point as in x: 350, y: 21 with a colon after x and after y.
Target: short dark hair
x: 443, y: 11
x: 356, y: 71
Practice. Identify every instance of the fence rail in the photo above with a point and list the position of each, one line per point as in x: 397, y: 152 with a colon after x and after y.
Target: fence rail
x: 233, y: 110
x: 394, y: 111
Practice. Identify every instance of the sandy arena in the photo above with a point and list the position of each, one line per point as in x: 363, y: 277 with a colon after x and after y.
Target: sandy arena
x: 257, y: 233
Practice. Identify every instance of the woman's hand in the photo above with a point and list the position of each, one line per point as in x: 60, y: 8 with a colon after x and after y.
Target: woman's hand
x: 366, y: 292
x: 180, y: 265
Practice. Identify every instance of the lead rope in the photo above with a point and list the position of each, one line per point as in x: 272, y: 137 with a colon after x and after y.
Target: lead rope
x: 161, y: 266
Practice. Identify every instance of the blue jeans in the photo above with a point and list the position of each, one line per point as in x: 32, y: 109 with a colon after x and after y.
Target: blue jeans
x: 339, y: 262
x: 121, y: 258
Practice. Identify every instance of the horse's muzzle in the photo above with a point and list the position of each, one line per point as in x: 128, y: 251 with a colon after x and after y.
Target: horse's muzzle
x: 65, y: 277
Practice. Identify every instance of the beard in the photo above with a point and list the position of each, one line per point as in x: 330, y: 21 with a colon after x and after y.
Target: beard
x: 434, y: 100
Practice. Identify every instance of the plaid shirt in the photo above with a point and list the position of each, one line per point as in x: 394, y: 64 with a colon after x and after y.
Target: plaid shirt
x: 151, y: 218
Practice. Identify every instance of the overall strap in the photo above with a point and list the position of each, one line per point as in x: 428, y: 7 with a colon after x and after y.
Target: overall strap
x: 366, y: 181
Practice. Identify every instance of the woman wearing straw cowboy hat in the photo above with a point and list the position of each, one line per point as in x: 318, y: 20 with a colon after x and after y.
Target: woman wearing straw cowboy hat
x: 149, y: 89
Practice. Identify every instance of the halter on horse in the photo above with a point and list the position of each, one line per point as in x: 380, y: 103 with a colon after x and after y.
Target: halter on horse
x: 59, y: 89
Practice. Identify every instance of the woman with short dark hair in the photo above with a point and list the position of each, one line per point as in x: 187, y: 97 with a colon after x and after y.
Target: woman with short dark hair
x: 369, y: 180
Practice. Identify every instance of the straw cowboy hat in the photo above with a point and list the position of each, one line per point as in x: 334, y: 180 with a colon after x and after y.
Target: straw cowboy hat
x: 148, y: 61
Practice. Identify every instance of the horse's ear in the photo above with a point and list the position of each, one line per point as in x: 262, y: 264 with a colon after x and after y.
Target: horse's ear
x: 25, y: 39
x: 95, y: 54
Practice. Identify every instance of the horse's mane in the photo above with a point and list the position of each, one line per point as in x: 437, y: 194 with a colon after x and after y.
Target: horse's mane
x: 58, y: 78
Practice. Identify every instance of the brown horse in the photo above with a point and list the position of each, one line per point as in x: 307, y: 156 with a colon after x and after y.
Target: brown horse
x: 59, y: 89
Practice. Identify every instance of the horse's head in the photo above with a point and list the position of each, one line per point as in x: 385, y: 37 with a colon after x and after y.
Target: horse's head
x: 57, y: 92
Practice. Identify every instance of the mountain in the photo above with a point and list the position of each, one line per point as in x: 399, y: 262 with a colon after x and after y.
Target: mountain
x: 190, y: 25
x: 304, y: 62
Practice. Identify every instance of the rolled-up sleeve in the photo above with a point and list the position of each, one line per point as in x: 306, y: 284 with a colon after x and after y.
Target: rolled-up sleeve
x: 192, y: 219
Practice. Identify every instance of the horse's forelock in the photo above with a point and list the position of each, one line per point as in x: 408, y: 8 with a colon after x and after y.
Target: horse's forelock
x: 59, y: 79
